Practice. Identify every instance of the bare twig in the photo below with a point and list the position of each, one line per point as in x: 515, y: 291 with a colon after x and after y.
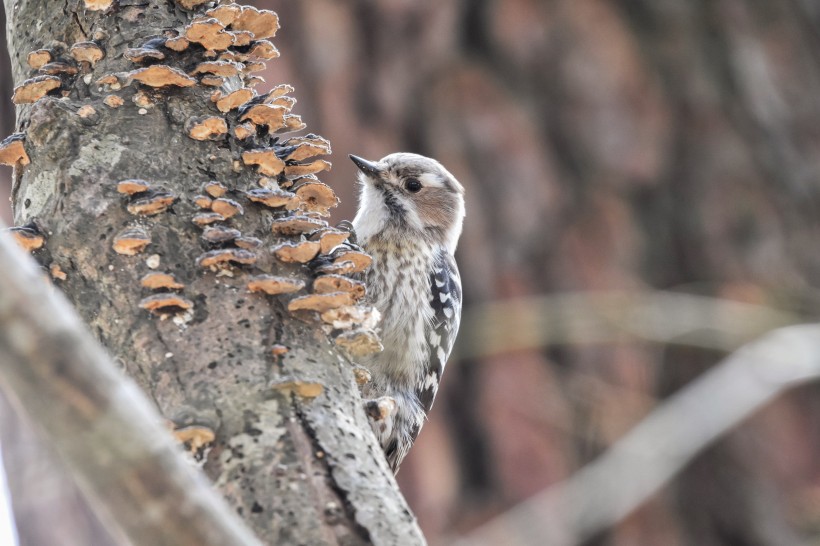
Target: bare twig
x: 608, y: 489
x: 102, y: 425
x: 599, y: 317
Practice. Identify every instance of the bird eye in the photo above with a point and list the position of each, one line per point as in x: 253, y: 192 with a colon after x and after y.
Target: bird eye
x: 412, y: 185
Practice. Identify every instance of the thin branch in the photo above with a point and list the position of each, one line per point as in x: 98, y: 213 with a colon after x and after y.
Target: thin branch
x: 603, y: 317
x: 99, y: 421
x: 638, y: 465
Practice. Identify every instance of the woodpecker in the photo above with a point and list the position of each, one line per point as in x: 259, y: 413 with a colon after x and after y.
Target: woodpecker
x: 409, y: 220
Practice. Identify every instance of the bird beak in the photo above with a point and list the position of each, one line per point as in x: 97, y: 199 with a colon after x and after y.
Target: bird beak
x: 367, y: 167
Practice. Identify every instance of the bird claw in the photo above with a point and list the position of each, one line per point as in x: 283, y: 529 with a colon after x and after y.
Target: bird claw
x: 347, y: 225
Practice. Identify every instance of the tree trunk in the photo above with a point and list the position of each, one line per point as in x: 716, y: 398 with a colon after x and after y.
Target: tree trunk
x: 291, y: 450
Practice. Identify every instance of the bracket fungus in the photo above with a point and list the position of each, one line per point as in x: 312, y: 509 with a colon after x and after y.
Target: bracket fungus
x: 135, y: 185
x: 361, y: 375
x: 300, y: 253
x: 226, y: 69
x: 273, y: 285
x: 250, y: 243
x: 143, y: 54
x: 317, y: 197
x: 113, y: 101
x: 294, y: 123
x: 263, y: 23
x: 215, y: 189
x: 220, y: 234
x: 235, y: 99
x: 97, y: 5
x: 273, y: 197
x: 296, y: 225
x: 160, y: 75
x: 87, y: 52
x: 244, y: 130
x: 225, y: 14
x: 293, y: 171
x: 264, y: 50
x: 359, y: 343
x: 30, y: 237
x: 227, y: 207
x: 155, y: 202
x: 191, y: 4
x: 166, y: 303
x: 226, y: 256
x: 209, y: 128
x: 326, y: 284
x: 178, y: 43
x: 265, y: 159
x: 329, y: 238
x: 38, y: 58
x: 13, y: 150
x: 57, y: 272
x: 196, y: 439
x: 34, y: 89
x: 131, y: 241
x: 209, y: 33
x: 306, y: 148
x: 242, y: 38
x: 58, y: 67
x: 360, y: 260
x: 203, y: 201
x: 156, y: 280
x: 270, y: 115
x: 302, y: 389
x: 206, y: 218
x: 320, y: 302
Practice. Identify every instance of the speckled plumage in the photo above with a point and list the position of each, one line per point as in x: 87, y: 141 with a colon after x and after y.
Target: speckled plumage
x: 414, y: 283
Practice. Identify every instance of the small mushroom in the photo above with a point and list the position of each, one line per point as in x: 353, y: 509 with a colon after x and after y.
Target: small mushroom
x: 58, y: 67
x: 132, y: 186
x: 30, y: 237
x: 206, y: 218
x: 234, y: 100
x: 250, y: 243
x: 273, y: 285
x: 203, y: 201
x: 220, y: 234
x: 225, y: 14
x: 244, y: 130
x: 320, y: 302
x: 330, y: 238
x: 209, y: 128
x: 209, y: 33
x: 154, y: 203
x: 266, y: 114
x: 264, y: 50
x: 160, y: 75
x: 227, y: 207
x: 195, y: 438
x: 57, y: 272
x: 156, y: 280
x: 325, y: 284
x: 113, y: 101
x: 179, y: 43
x: 301, y: 252
x: 88, y: 52
x: 131, y: 241
x: 142, y: 54
x: 349, y: 316
x: 303, y: 389
x: 13, y: 150
x: 39, y: 58
x: 265, y: 159
x: 34, y: 89
x: 226, y: 256
x: 293, y: 171
x: 296, y: 225
x: 166, y: 303
x: 263, y: 23
x: 360, y: 260
x: 273, y: 197
x: 359, y: 343
x: 317, y: 197
x: 215, y: 189
x: 225, y: 69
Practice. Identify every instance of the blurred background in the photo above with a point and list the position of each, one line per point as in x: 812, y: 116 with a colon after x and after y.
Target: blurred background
x: 623, y: 159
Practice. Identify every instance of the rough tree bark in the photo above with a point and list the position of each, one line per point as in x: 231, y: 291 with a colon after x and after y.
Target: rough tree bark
x: 290, y: 449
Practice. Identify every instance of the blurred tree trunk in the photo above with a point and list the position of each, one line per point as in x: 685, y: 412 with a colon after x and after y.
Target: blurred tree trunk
x: 265, y: 401
x: 603, y: 145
